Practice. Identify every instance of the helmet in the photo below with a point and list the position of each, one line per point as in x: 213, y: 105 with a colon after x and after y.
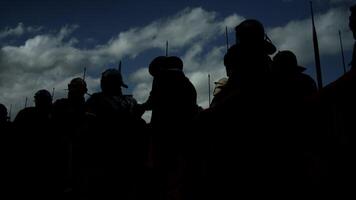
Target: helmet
x: 77, y: 85
x: 157, y: 65
x: 251, y: 33
x: 286, y: 61
x: 111, y: 81
x: 249, y: 30
x: 164, y: 63
x: 43, y: 98
x: 43, y: 94
x: 113, y: 75
x: 174, y: 63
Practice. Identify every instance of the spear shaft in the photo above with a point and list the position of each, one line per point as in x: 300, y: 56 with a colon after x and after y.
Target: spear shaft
x: 342, y: 53
x: 84, y: 73
x: 227, y: 39
x: 209, y: 89
x: 316, y: 51
x: 167, y: 48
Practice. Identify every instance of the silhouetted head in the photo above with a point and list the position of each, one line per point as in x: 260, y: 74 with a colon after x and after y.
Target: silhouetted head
x: 286, y: 61
x: 250, y: 34
x: 43, y: 99
x: 250, y: 31
x: 77, y: 88
x: 174, y: 64
x: 3, y: 113
x: 241, y: 65
x: 163, y: 64
x: 352, y: 21
x: 157, y: 65
x: 111, y: 82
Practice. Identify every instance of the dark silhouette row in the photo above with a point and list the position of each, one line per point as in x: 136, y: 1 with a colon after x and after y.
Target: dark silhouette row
x: 269, y: 131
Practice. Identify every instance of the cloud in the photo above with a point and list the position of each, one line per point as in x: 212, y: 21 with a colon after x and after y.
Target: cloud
x: 19, y: 30
x: 43, y: 62
x: 198, y: 63
x: 183, y: 29
x: 51, y: 60
x: 297, y: 35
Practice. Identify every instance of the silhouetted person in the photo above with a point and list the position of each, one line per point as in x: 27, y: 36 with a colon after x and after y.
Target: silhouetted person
x: 173, y: 104
x: 8, y: 155
x: 69, y: 122
x: 39, y: 149
x: 113, y: 145
x: 242, y: 142
x: 352, y: 25
x: 173, y: 97
x: 337, y: 123
x: 33, y: 117
x: 291, y: 91
x: 289, y: 80
x: 4, y: 120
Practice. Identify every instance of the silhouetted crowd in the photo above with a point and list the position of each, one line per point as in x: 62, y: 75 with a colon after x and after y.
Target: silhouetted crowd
x: 269, y: 132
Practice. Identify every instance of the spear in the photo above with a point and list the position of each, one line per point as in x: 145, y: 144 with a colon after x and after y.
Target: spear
x: 167, y: 48
x: 209, y: 89
x: 84, y: 73
x: 316, y: 51
x: 227, y: 39
x: 342, y: 53
x: 26, y: 103
x: 119, y: 67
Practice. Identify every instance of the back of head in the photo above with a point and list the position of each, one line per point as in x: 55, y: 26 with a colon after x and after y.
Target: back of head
x: 174, y: 63
x: 164, y: 64
x: 43, y: 99
x: 250, y: 34
x: 111, y: 82
x: 286, y: 61
x: 157, y: 64
x: 250, y: 31
x: 3, y: 113
x: 77, y: 88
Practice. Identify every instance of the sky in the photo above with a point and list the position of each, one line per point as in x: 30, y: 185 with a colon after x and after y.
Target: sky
x: 44, y: 44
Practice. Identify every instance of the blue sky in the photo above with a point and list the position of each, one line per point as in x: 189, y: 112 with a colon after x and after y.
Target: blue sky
x: 46, y: 43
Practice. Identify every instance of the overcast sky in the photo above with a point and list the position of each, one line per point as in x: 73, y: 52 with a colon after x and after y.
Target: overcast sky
x: 44, y: 44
